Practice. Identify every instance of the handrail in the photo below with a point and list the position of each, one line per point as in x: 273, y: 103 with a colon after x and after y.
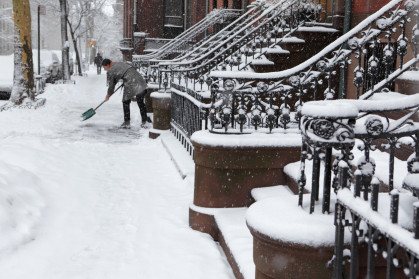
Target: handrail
x: 203, y: 24
x: 233, y: 49
x: 232, y: 37
x: 327, y: 50
x: 208, y: 19
x: 252, y: 102
x: 226, y: 32
x: 252, y: 8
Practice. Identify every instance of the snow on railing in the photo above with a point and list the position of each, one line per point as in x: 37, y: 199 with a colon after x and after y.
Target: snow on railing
x: 180, y: 118
x: 390, y: 231
x: 330, y: 48
x: 149, y: 67
x: 212, y: 41
x: 377, y: 55
x: 181, y: 42
x: 281, y: 19
x: 376, y: 219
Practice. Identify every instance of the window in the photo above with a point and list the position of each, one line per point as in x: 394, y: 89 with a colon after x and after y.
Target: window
x: 173, y: 18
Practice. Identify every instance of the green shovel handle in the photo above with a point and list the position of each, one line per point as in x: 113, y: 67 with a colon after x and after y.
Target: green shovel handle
x: 99, y: 105
x: 105, y: 100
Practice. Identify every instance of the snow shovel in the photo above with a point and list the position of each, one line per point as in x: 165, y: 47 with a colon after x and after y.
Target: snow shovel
x: 90, y: 112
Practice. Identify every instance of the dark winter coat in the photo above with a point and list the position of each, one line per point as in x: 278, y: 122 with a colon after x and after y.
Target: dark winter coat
x: 98, y: 61
x: 134, y: 83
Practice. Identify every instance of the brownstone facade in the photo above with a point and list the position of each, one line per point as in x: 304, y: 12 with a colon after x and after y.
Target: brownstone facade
x: 167, y: 18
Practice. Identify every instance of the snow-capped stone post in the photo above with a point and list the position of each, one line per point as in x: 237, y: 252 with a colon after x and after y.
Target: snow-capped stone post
x: 139, y: 42
x: 161, y: 112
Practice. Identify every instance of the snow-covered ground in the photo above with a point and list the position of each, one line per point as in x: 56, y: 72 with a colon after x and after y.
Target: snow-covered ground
x: 88, y: 200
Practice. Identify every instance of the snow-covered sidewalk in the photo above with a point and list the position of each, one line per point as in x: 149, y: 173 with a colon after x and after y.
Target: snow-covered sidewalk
x: 88, y: 200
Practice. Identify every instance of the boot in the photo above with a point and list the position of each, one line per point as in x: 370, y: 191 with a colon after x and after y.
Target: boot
x: 126, y: 125
x: 144, y: 125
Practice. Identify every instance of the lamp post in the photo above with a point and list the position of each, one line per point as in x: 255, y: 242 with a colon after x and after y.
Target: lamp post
x: 41, y: 11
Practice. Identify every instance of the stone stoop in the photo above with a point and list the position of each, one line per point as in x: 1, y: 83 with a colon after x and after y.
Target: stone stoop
x: 296, y: 49
x: 180, y: 157
x: 228, y: 227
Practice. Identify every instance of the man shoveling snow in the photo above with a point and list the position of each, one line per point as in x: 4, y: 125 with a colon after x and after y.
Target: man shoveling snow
x: 134, y: 86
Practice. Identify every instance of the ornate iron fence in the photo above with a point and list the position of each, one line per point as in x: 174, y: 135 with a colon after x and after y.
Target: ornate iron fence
x: 188, y: 39
x: 335, y: 125
x: 243, y: 102
x: 384, y: 237
x: 249, y: 43
x: 150, y: 67
x: 188, y: 115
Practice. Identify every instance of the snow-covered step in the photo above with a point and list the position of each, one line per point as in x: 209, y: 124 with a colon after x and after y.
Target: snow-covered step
x: 180, y: 157
x: 236, y: 240
x: 269, y: 192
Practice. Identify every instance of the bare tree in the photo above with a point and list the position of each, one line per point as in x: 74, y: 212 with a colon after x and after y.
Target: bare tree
x: 64, y: 40
x: 108, y: 32
x: 80, y: 20
x: 23, y: 81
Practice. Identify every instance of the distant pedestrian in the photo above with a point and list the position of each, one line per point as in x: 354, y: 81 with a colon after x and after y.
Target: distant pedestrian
x: 98, y: 61
x: 134, y: 86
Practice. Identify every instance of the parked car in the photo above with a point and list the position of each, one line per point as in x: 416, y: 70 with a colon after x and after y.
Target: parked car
x: 6, y: 76
x: 50, y: 69
x: 50, y: 65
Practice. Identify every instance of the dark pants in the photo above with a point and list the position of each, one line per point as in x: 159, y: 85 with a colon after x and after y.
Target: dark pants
x: 99, y: 69
x: 141, y: 105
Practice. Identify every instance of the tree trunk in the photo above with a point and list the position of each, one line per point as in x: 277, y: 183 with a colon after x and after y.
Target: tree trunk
x: 23, y: 81
x: 76, y: 49
x: 64, y: 43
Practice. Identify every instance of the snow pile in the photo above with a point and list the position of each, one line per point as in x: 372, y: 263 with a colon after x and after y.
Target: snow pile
x: 207, y: 138
x: 272, y: 217
x: 21, y: 206
x: 410, y: 75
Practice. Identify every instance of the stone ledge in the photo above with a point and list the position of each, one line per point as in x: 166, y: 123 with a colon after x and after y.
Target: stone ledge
x: 226, y: 174
x: 275, y: 259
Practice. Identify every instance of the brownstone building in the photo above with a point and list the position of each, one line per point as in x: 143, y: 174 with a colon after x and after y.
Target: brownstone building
x: 166, y: 18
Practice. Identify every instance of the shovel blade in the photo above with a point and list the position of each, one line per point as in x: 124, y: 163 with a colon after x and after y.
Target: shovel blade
x: 86, y: 115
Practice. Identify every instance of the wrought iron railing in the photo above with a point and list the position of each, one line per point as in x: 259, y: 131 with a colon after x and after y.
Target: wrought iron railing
x: 190, y: 37
x: 201, y: 47
x: 150, y: 68
x: 152, y: 44
x: 386, y: 239
x: 243, y: 102
x: 330, y: 131
x: 187, y: 116
x: 275, y: 25
x: 336, y: 125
